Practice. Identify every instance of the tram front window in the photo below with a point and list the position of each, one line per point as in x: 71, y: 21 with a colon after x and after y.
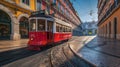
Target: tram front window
x: 33, y: 25
x: 41, y: 25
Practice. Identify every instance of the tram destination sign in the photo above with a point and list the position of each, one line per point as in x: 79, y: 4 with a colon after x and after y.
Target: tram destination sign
x: 41, y: 12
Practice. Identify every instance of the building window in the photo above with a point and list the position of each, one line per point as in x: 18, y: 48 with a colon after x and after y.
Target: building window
x: 27, y: 2
x: 64, y: 1
x: 67, y: 4
x: 54, y: 1
x: 38, y: 6
x: 62, y: 9
x: 48, y: 10
x: 116, y: 2
x: 59, y: 5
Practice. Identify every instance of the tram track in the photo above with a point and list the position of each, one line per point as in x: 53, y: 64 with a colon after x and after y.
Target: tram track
x: 58, y: 59
x: 13, y: 56
x: 42, y: 58
x: 69, y: 63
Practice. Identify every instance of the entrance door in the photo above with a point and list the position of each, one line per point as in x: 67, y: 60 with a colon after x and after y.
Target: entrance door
x: 115, y: 28
x: 24, y: 27
x: 109, y: 29
x: 5, y: 26
x: 50, y: 31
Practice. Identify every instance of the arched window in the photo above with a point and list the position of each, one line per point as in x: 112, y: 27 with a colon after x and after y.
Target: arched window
x: 5, y: 25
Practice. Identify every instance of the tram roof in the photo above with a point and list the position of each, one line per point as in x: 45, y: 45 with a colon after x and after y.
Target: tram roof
x: 51, y: 18
x: 62, y: 22
x: 40, y: 15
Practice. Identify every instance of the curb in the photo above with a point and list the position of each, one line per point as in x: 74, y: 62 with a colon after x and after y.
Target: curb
x: 81, y: 57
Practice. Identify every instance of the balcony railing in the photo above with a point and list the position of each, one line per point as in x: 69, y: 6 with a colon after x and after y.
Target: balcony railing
x: 111, y: 9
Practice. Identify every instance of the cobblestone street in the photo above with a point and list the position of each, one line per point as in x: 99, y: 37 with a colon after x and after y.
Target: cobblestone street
x: 58, y: 56
x: 84, y: 51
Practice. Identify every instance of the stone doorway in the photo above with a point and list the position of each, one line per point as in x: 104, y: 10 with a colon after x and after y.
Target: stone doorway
x: 115, y: 28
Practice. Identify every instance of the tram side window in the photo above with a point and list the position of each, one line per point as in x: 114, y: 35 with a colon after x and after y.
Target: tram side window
x: 50, y: 26
x: 57, y: 28
x: 63, y: 28
x: 33, y: 25
x: 41, y: 25
x: 60, y: 28
x: 66, y: 29
x: 70, y: 30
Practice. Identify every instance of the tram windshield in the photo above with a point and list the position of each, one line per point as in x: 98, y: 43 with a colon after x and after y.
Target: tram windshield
x: 37, y: 25
x: 41, y: 25
x: 33, y: 25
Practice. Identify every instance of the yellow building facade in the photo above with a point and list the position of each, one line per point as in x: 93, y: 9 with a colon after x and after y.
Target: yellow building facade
x: 14, y: 16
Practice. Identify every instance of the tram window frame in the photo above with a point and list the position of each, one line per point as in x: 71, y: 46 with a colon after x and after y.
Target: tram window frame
x: 41, y: 25
x: 33, y: 26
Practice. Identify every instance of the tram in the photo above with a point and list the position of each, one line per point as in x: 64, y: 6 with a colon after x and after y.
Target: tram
x: 45, y: 30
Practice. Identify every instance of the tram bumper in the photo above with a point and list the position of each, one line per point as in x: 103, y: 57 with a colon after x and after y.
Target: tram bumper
x: 34, y: 45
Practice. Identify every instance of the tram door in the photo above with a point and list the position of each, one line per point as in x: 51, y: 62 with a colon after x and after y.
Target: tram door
x: 50, y: 31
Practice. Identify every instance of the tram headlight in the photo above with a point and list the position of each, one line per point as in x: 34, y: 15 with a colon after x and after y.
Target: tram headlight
x: 31, y: 38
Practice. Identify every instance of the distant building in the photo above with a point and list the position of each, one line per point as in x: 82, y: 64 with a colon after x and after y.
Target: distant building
x: 14, y: 15
x: 77, y: 31
x: 109, y: 18
x: 89, y: 28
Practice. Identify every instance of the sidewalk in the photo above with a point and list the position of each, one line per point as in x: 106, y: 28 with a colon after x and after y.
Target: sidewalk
x: 9, y: 45
x: 100, y: 52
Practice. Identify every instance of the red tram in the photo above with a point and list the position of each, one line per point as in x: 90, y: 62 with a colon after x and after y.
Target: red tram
x: 45, y: 30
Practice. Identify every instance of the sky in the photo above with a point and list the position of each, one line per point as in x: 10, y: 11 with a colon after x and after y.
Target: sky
x: 84, y: 8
